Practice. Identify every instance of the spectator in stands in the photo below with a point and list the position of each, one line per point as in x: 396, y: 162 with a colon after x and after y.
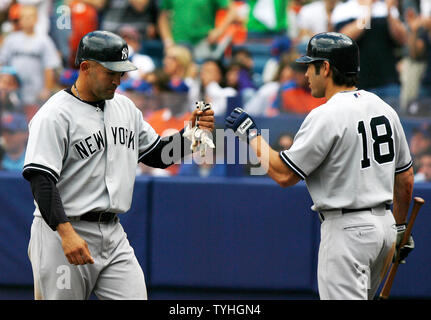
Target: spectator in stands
x: 166, y: 121
x: 236, y: 33
x: 192, y: 23
x: 4, y: 7
x: 34, y: 57
x: 263, y: 100
x: 171, y: 113
x: 84, y: 19
x: 14, y: 135
x: 284, y: 141
x: 249, y: 78
x: 211, y: 87
x: 169, y: 117
x: 239, y: 78
x: 148, y: 93
x: 423, y: 173
x: 67, y: 78
x: 420, y: 141
x: 12, y: 23
x: 143, y: 62
x: 179, y: 66
x: 10, y: 99
x: 379, y: 32
x: 416, y: 68
x: 280, y: 46
x: 315, y: 17
x: 294, y: 95
x: 140, y: 14
x: 43, y: 8
x: 244, y: 57
x: 293, y: 8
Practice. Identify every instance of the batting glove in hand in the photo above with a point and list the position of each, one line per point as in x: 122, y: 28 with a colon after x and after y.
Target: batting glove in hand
x: 407, y: 248
x: 242, y: 124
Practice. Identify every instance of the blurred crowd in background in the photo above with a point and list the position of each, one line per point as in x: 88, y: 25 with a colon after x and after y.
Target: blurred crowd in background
x: 213, y: 50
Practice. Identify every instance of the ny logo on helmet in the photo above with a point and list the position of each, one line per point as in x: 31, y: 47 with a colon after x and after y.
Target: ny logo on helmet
x: 124, y: 54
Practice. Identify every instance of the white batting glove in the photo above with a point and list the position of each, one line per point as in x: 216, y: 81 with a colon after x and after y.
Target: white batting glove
x: 199, y: 138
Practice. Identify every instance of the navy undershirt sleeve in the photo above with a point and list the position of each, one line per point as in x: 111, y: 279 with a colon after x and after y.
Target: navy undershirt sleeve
x: 154, y: 158
x: 47, y: 196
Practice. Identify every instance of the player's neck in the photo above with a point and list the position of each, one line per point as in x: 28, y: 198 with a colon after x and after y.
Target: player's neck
x: 82, y: 93
x: 333, y: 89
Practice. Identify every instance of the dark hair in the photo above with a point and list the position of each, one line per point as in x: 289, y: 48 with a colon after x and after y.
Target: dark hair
x: 242, y: 50
x: 338, y: 78
x: 218, y: 62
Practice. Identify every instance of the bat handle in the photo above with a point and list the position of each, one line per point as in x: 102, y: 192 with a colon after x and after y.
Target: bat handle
x: 384, y: 295
x: 417, y: 204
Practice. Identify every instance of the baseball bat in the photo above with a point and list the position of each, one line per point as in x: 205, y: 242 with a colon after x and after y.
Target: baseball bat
x: 417, y: 204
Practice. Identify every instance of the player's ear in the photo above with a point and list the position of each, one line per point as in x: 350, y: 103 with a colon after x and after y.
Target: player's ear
x: 326, y: 68
x: 85, y: 66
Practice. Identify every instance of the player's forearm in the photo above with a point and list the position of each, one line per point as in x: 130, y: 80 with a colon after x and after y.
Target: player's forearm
x: 65, y: 229
x: 270, y: 161
x: 403, y: 190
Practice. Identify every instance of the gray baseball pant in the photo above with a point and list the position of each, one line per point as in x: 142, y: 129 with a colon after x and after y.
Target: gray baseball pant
x: 115, y: 274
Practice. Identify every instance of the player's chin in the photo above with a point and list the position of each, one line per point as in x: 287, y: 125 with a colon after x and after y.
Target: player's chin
x: 108, y: 95
x: 317, y: 93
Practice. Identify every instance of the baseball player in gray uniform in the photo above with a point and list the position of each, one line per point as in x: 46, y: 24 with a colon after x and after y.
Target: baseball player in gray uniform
x: 353, y: 155
x: 84, y: 145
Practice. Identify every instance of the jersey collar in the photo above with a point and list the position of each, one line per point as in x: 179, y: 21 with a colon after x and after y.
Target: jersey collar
x: 97, y: 104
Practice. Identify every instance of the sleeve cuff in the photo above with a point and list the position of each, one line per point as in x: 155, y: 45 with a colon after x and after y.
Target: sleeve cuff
x: 292, y: 166
x: 150, y: 148
x: 41, y: 168
x: 404, y: 168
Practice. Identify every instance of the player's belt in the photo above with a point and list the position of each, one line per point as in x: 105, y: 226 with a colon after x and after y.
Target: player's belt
x: 346, y: 211
x: 96, y: 217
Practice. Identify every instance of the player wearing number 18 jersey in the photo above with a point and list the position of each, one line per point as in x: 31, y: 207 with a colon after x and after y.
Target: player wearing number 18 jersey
x: 353, y: 155
x: 357, y: 134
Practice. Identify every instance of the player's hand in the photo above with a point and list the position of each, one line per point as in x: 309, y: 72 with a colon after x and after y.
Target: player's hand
x: 242, y: 125
x: 404, y: 250
x: 75, y: 248
x: 205, y: 121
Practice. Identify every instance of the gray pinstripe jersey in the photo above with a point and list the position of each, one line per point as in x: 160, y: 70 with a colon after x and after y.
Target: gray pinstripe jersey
x: 91, y: 154
x: 348, y: 151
